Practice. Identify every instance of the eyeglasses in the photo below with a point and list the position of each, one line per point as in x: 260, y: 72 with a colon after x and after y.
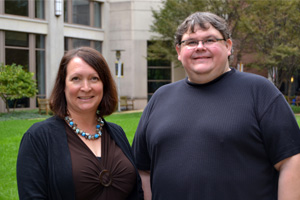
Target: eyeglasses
x: 192, y: 44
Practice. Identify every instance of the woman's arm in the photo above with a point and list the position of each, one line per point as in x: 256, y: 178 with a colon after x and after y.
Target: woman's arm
x: 145, y: 176
x: 31, y: 169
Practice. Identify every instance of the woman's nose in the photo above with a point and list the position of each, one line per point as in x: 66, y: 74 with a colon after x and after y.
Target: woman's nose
x: 86, y: 86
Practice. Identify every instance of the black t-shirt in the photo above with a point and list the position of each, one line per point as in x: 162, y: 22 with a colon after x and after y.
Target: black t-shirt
x: 215, y: 141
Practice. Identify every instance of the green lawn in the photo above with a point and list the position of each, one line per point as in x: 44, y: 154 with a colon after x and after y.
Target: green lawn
x: 298, y: 119
x: 128, y: 122
x: 10, y: 135
x: 13, y: 127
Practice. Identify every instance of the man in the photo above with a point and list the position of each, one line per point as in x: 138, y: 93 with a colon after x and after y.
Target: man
x: 219, y: 134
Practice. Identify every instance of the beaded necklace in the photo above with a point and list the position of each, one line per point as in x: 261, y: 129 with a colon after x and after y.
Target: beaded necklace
x: 88, y: 136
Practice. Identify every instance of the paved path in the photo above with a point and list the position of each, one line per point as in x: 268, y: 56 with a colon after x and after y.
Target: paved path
x: 128, y: 111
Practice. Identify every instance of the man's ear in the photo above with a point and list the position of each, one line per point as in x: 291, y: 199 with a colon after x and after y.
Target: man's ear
x: 229, y: 46
x: 178, y: 49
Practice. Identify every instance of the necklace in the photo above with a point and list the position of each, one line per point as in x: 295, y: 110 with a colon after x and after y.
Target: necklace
x: 88, y: 136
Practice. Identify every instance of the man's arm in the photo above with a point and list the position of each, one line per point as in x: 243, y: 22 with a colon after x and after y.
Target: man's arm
x: 289, y: 178
x: 145, y: 176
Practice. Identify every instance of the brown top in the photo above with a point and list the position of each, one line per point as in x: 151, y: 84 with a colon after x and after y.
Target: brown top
x: 111, y: 177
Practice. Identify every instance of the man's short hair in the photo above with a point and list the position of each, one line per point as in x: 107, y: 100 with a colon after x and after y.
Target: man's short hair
x: 203, y: 20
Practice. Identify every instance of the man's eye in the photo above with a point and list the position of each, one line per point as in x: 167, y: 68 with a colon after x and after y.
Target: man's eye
x: 210, y: 41
x: 192, y: 43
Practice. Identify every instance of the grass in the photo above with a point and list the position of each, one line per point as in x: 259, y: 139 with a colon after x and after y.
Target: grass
x: 11, y: 133
x: 128, y: 122
x: 13, y: 126
x: 298, y: 119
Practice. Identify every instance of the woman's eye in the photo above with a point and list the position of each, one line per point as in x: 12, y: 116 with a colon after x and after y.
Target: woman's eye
x: 75, y: 79
x: 95, y: 78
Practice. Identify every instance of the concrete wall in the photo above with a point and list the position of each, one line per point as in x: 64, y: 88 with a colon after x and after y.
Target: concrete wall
x: 54, y: 45
x: 129, y: 30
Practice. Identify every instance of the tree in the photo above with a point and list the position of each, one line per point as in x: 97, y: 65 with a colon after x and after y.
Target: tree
x: 173, y: 12
x: 166, y: 21
x: 15, y: 83
x: 274, y: 29
x: 269, y: 29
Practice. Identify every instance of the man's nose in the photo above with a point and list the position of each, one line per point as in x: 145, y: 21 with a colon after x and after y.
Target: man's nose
x: 200, y: 44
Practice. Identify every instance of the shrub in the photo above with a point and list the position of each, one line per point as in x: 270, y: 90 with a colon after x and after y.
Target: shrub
x: 15, y: 83
x: 296, y: 109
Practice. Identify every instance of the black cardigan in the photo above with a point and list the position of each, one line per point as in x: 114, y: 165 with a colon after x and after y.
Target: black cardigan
x: 44, y: 168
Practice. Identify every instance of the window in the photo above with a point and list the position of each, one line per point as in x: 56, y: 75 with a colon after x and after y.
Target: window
x: 27, y: 50
x: 40, y: 64
x: 83, y: 12
x: 72, y: 43
x: 39, y: 9
x: 17, y: 51
x: 159, y: 74
x: 16, y: 7
x: 97, y: 14
x: 27, y: 8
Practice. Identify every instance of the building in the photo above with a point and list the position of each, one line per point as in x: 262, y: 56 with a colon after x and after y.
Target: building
x: 36, y: 33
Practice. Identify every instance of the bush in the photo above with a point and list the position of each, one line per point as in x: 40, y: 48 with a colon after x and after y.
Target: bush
x: 16, y: 83
x: 296, y: 109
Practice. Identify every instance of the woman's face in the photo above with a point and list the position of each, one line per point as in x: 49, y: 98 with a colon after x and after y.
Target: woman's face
x: 84, y: 89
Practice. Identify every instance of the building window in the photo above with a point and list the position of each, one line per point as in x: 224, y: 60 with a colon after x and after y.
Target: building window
x: 16, y: 7
x: 97, y: 14
x: 40, y: 64
x: 159, y: 74
x: 72, y: 43
x: 39, y: 9
x: 27, y: 50
x: 83, y: 12
x: 32, y: 9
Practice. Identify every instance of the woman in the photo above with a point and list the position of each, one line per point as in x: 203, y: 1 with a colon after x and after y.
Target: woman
x: 76, y: 154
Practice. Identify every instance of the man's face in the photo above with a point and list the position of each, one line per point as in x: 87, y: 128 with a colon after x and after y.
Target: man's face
x: 204, y: 63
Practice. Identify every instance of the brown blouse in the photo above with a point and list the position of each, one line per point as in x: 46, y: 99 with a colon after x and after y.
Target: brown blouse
x: 111, y: 177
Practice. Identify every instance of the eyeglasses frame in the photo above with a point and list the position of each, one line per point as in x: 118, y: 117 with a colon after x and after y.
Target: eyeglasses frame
x: 202, y: 41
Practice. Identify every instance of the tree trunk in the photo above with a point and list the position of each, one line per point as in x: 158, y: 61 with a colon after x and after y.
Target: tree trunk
x: 15, y: 105
x: 289, y: 88
x: 5, y: 100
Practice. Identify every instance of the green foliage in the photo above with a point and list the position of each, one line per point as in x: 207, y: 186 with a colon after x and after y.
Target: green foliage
x: 296, y: 110
x: 269, y: 29
x: 22, y: 114
x: 173, y: 12
x: 274, y: 29
x: 166, y: 21
x: 16, y: 83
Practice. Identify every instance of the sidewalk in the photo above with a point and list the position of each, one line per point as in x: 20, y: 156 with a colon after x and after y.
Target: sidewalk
x: 128, y: 111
